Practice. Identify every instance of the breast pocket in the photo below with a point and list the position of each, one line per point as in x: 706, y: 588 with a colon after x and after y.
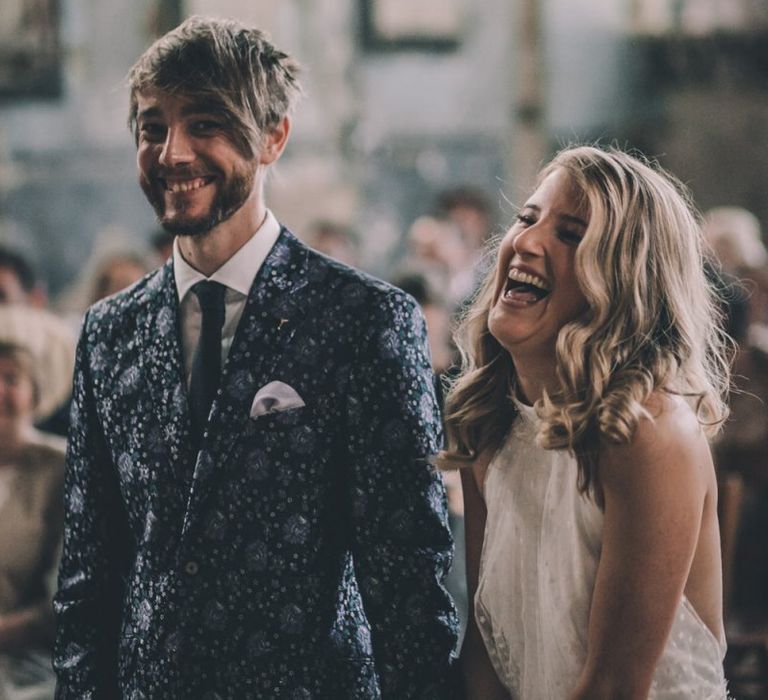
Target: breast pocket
x: 281, y: 418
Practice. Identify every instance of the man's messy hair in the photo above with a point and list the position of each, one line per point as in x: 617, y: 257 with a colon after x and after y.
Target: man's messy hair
x: 225, y: 68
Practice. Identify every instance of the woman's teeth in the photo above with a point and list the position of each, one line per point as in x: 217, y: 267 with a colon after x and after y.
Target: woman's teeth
x: 525, y: 278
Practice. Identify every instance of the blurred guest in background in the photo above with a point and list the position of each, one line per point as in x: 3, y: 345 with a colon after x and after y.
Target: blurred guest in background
x: 437, y: 251
x: 36, y: 360
x: 335, y: 240
x: 471, y: 210
x: 741, y: 451
x: 19, y: 283
x: 736, y: 244
x: 117, y: 258
x: 448, y: 248
x: 117, y: 272
x: 734, y: 236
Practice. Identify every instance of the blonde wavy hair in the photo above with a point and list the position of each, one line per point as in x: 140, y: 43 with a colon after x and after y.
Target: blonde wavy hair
x: 652, y: 323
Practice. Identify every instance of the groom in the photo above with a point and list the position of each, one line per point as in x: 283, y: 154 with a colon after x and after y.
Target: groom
x: 250, y: 509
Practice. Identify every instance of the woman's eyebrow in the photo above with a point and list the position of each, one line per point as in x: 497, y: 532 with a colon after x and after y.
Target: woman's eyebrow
x: 574, y: 219
x: 565, y: 217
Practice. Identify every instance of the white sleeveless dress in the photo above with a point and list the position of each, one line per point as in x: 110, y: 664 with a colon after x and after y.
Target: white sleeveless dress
x: 537, y: 573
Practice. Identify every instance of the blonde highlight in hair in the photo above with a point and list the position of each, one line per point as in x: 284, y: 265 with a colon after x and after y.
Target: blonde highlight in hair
x: 652, y: 323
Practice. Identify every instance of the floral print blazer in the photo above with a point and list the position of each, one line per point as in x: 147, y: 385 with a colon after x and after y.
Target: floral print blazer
x: 298, y: 554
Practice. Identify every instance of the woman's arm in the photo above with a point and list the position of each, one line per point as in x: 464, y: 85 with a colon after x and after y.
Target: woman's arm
x: 480, y: 680
x: 654, y: 489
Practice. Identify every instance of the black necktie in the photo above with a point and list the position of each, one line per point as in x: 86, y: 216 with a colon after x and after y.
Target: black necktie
x: 206, y: 362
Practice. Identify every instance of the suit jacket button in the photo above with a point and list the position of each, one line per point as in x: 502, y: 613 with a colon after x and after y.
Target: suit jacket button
x: 191, y: 568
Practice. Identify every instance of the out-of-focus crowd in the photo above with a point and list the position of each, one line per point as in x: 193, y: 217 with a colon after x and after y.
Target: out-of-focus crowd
x: 738, y: 254
x: 444, y: 264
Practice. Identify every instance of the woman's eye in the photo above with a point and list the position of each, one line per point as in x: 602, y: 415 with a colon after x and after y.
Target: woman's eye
x: 526, y: 219
x: 569, y: 237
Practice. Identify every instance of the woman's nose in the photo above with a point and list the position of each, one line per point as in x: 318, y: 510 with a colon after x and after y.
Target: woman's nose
x: 530, y: 240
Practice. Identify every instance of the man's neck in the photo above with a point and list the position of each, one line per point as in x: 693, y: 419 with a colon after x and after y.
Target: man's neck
x: 208, y: 252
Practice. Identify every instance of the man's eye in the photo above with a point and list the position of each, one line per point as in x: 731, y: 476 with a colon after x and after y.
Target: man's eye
x: 206, y: 126
x: 152, y: 132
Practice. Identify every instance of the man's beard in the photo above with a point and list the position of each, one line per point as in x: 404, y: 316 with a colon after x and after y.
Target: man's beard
x: 230, y: 197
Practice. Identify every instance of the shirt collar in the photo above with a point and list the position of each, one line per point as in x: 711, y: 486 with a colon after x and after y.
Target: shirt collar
x: 240, y: 270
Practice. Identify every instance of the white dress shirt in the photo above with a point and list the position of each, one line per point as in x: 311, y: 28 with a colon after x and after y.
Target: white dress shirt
x: 237, y: 275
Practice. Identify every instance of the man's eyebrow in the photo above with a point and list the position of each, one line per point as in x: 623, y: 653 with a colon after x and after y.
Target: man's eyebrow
x: 564, y: 217
x: 149, y: 113
x: 154, y: 111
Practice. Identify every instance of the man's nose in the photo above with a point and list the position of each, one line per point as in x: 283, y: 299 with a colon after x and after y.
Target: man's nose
x: 177, y: 148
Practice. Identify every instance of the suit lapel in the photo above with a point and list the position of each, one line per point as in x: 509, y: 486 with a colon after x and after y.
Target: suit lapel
x: 272, y: 313
x: 163, y: 364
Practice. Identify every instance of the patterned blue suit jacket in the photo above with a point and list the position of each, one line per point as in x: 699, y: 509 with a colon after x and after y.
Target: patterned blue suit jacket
x: 298, y: 555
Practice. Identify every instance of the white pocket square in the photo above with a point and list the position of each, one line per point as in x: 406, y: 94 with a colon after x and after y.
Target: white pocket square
x: 275, y: 397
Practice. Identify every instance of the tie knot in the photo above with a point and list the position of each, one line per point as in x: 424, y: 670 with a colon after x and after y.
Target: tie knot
x: 209, y: 294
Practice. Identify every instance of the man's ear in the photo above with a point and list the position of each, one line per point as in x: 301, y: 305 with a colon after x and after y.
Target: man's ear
x: 274, y: 142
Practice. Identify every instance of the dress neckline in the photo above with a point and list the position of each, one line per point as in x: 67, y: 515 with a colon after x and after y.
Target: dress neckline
x: 527, y: 413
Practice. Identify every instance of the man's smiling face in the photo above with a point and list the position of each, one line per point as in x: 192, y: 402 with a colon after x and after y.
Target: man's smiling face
x: 190, y: 169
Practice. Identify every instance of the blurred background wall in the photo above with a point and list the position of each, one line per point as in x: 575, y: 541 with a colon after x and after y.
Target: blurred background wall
x: 404, y: 98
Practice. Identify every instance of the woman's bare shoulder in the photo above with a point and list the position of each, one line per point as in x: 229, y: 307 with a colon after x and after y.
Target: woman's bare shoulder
x: 668, y: 444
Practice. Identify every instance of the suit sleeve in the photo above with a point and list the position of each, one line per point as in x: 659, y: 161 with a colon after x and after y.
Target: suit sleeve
x: 89, y: 597
x: 402, y: 546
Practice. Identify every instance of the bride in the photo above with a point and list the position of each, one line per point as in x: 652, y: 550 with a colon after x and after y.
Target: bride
x: 593, y: 372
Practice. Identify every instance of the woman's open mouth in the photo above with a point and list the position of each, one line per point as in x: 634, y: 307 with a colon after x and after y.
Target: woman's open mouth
x: 524, y: 287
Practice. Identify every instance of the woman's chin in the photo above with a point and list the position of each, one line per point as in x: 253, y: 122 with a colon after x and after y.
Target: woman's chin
x: 503, y: 329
